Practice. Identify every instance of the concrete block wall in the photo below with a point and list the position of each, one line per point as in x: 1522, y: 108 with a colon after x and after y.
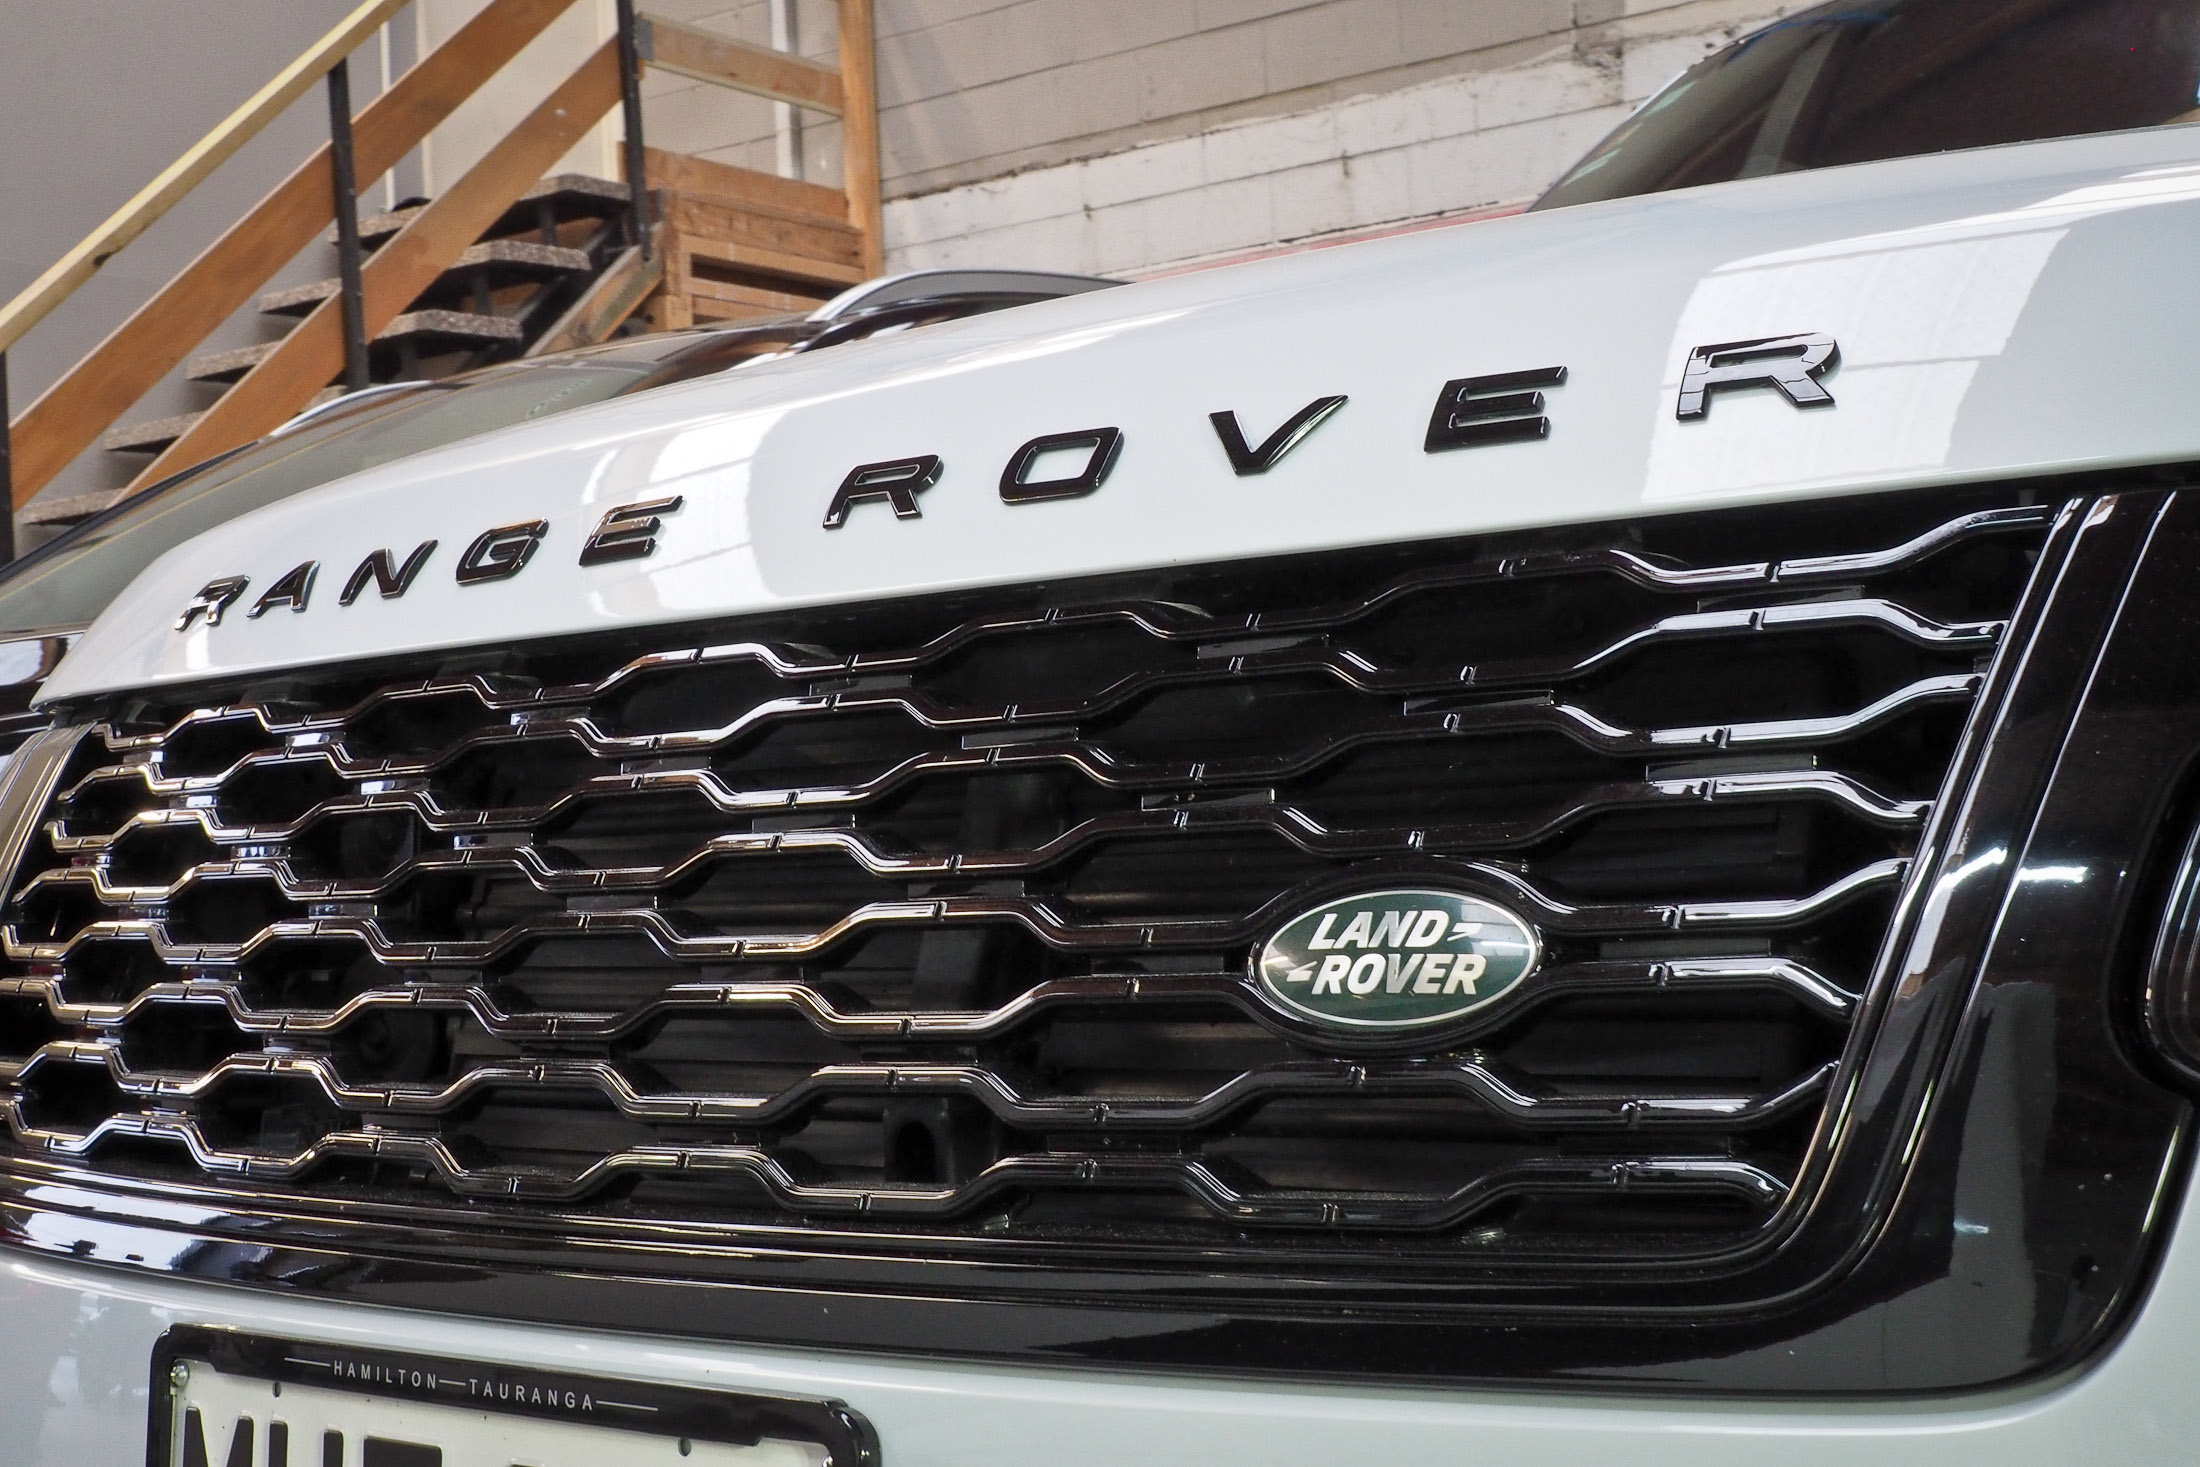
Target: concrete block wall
x: 1124, y: 139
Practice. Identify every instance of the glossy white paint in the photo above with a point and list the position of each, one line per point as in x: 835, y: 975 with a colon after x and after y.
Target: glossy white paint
x: 79, y: 1344
x: 2009, y: 311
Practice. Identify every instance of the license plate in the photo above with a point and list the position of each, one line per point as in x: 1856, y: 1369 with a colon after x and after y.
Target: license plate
x: 226, y: 1399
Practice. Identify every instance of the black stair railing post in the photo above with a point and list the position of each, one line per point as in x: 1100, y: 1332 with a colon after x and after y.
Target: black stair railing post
x: 630, y: 106
x: 7, y: 469
x: 350, y: 291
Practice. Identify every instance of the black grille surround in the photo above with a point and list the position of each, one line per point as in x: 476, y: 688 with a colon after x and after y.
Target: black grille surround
x: 839, y: 945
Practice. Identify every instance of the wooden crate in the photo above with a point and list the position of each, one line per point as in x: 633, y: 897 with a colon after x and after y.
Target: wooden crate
x: 741, y: 244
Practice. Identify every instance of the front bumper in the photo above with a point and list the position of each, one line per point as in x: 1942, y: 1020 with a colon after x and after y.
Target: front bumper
x: 78, y: 1341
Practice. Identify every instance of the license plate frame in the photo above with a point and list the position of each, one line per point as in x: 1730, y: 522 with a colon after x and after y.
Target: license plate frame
x: 728, y: 1418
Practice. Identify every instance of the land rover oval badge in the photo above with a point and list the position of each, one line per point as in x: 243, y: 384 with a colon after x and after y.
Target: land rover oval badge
x: 1398, y: 958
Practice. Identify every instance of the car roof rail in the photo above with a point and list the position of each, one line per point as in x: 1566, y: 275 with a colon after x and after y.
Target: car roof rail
x: 890, y: 290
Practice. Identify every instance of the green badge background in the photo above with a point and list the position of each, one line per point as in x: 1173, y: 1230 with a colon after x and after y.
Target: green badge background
x: 1505, y: 942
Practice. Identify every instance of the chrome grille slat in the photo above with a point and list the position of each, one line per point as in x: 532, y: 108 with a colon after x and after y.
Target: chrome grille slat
x: 705, y: 934
x: 1499, y: 1091
x: 1854, y: 795
x: 1167, y: 621
x: 539, y: 718
x: 878, y: 859
x: 1097, y: 764
x: 1038, y: 918
x: 480, y: 1005
x: 1210, y: 1186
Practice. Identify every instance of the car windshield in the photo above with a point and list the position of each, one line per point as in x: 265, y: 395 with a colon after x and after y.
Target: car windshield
x: 1855, y: 82
x: 69, y: 581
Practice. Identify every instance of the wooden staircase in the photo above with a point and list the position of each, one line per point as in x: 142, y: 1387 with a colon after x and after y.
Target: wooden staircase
x: 503, y: 263
x: 497, y: 298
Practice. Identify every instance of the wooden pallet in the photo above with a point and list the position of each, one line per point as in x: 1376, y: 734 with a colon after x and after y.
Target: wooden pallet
x: 742, y: 245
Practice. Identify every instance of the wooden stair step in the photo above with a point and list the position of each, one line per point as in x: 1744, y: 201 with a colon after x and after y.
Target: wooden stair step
x: 298, y: 300
x: 563, y: 195
x: 376, y: 229
x: 148, y: 437
x: 524, y: 257
x: 70, y: 509
x: 505, y: 260
x: 454, y: 326
x: 560, y: 197
x: 229, y: 365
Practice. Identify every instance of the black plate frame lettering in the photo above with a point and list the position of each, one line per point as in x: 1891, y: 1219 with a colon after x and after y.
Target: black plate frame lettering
x: 732, y: 1418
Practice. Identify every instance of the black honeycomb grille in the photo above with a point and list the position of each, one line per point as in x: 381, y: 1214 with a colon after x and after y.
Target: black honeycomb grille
x: 931, y: 920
